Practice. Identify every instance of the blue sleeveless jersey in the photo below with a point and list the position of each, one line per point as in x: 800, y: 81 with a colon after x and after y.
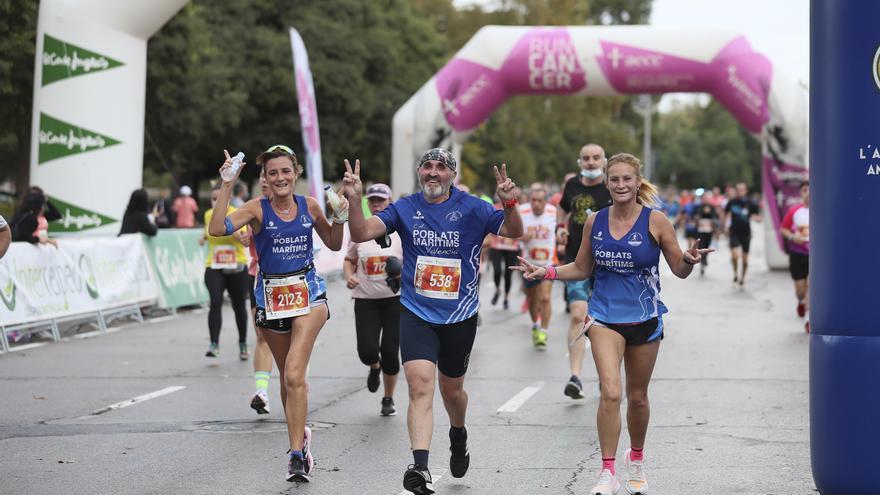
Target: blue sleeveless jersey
x: 626, y: 282
x: 449, y: 236
x: 286, y: 247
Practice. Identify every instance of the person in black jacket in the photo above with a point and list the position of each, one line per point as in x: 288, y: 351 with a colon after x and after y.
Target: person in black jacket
x: 29, y: 224
x: 137, y: 217
x: 50, y: 211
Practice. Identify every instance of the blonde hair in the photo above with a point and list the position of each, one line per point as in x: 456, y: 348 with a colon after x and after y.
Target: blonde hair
x: 648, y: 193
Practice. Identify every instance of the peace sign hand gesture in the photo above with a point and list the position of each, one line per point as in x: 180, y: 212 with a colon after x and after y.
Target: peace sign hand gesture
x: 693, y: 255
x: 505, y: 188
x: 351, y: 181
x: 529, y: 271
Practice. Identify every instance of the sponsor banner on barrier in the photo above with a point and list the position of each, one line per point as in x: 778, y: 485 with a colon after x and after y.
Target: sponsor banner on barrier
x: 179, y: 263
x: 39, y: 282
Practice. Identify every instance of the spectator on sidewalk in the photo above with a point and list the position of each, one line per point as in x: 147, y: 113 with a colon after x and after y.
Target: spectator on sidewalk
x: 137, y: 217
x: 163, y: 209
x: 185, y: 209
x: 29, y: 224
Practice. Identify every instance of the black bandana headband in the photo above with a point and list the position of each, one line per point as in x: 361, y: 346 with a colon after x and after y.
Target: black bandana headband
x: 441, y: 155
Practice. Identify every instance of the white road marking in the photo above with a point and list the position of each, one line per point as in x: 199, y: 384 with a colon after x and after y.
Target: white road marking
x: 136, y: 400
x: 519, y: 399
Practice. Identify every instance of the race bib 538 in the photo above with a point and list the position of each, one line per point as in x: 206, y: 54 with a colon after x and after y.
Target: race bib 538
x: 437, y: 278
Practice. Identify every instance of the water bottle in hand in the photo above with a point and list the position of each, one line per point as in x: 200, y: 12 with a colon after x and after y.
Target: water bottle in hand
x: 228, y: 174
x: 335, y: 203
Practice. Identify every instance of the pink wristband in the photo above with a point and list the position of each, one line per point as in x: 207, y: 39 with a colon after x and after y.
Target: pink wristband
x: 550, y: 272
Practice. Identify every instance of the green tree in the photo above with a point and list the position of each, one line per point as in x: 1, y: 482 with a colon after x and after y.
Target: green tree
x: 18, y: 23
x: 214, y: 83
x: 705, y: 147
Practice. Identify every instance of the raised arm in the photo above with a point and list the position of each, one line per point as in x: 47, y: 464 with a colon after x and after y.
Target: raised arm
x: 225, y: 225
x: 361, y: 229
x: 506, y: 191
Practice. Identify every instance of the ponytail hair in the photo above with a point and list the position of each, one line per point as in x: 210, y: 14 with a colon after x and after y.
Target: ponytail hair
x: 648, y: 194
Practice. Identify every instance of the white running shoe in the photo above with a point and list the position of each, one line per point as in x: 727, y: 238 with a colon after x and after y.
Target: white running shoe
x: 636, y: 483
x: 607, y: 484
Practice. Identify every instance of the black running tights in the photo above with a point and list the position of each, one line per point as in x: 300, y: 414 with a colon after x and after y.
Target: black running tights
x: 509, y: 258
x: 236, y: 284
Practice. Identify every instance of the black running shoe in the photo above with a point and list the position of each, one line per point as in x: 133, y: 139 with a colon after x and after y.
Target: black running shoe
x: 574, y: 388
x: 260, y: 403
x: 417, y: 479
x: 213, y: 351
x: 459, y: 458
x: 388, y: 407
x: 373, y: 379
x: 296, y: 470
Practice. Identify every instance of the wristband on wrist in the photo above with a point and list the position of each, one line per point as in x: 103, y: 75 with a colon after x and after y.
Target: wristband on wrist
x: 510, y: 204
x: 229, y: 227
x: 560, y: 226
x: 550, y: 272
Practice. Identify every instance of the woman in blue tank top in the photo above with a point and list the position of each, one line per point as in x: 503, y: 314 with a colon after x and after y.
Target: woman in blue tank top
x: 291, y: 297
x: 621, y: 249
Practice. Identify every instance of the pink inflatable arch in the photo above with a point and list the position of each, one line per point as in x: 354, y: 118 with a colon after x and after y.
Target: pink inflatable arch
x: 502, y: 61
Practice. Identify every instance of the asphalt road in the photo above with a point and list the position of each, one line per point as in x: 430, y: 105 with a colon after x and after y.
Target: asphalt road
x: 729, y: 404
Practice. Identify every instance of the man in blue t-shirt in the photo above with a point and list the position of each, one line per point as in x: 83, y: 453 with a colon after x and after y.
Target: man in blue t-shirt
x: 442, y: 231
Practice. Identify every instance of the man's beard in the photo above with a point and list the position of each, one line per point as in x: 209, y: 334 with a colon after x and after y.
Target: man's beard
x: 434, y: 192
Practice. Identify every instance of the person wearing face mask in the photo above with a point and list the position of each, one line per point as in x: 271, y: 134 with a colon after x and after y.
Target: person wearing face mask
x: 581, y: 196
x: 226, y: 270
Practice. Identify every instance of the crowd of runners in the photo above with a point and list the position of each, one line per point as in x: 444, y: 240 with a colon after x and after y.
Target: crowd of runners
x: 414, y: 270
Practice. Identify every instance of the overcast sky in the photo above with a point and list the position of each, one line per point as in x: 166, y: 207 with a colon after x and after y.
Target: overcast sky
x: 780, y: 29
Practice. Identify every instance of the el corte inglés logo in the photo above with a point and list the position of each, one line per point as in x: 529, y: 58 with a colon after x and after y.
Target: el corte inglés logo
x: 59, y: 139
x: 75, y: 218
x: 63, y: 60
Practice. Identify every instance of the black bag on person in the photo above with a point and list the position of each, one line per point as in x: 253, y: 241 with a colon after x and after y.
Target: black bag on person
x: 393, y: 267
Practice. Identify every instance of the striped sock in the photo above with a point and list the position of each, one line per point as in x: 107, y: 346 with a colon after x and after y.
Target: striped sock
x: 262, y: 380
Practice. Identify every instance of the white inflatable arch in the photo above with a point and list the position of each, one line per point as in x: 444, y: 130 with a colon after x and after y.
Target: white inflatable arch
x: 502, y: 61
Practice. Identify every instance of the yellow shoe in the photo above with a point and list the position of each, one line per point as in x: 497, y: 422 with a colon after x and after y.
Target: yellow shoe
x: 539, y: 337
